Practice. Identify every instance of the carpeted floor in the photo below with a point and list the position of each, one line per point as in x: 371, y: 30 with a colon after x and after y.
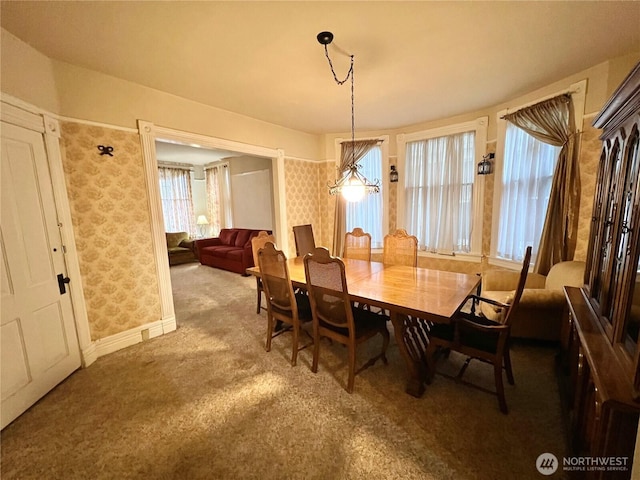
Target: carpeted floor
x: 207, y: 402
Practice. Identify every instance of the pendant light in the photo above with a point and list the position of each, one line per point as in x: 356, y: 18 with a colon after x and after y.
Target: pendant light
x: 353, y: 185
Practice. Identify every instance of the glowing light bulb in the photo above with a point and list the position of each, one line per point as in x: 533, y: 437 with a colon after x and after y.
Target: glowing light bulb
x: 353, y: 190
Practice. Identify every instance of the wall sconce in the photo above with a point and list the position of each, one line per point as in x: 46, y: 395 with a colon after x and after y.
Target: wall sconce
x: 485, y: 167
x: 393, y: 174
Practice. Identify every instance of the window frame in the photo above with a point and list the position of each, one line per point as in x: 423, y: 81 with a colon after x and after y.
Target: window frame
x: 479, y: 126
x: 578, y: 91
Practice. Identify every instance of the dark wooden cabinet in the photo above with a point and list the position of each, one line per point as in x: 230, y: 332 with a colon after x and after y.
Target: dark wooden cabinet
x: 601, y: 345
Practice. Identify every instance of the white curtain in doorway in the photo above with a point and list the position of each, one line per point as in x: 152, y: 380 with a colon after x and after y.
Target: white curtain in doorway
x: 218, y: 197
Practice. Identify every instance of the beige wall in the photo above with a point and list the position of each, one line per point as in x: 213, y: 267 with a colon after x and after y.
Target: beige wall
x: 18, y: 61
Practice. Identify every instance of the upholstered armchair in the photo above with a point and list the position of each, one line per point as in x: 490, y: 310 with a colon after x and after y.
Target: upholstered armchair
x: 180, y: 248
x: 539, y: 314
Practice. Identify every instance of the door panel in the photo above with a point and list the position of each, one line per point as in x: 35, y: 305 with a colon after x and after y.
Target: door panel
x: 38, y: 337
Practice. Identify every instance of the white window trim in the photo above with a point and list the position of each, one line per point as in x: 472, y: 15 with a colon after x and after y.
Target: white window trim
x: 384, y: 181
x: 578, y: 92
x: 479, y: 126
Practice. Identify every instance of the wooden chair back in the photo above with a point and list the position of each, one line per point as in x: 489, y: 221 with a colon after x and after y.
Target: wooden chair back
x: 509, y: 314
x: 305, y: 242
x: 258, y: 242
x: 357, y: 244
x: 275, y: 279
x: 327, y: 287
x: 400, y: 248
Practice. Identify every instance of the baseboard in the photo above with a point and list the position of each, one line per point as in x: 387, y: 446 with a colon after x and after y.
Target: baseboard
x: 113, y: 343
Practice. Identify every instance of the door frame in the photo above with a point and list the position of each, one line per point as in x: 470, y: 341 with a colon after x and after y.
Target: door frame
x: 19, y: 113
x: 149, y: 133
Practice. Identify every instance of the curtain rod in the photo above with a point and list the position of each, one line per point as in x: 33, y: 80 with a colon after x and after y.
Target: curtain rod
x: 181, y: 166
x: 371, y: 140
x: 544, y: 99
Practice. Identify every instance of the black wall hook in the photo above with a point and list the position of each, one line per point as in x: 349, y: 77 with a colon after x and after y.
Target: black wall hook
x: 105, y: 150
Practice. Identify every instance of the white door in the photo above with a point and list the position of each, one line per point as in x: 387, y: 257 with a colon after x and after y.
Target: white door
x: 39, y: 346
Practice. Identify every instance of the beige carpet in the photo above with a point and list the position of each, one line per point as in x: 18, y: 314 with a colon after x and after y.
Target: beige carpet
x: 207, y: 402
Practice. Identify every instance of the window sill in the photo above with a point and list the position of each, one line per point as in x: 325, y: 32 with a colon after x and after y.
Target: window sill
x: 458, y: 257
x: 508, y: 264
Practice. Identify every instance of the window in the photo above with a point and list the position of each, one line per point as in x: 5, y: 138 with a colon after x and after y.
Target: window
x: 368, y: 213
x: 525, y: 185
x: 177, y: 203
x: 442, y: 196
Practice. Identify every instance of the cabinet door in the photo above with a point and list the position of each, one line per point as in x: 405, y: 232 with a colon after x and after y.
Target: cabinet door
x: 601, y: 287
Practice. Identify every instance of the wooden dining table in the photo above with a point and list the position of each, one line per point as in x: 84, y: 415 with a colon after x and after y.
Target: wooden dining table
x: 413, y: 296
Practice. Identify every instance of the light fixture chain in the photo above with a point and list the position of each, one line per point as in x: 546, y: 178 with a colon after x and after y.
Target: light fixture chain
x: 335, y: 77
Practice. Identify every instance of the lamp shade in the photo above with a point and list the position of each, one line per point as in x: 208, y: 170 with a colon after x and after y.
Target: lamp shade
x: 202, y: 220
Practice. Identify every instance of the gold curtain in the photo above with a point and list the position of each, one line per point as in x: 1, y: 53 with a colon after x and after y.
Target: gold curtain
x: 552, y: 122
x: 351, y: 152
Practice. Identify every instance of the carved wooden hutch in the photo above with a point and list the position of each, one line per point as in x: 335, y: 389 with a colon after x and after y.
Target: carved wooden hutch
x: 601, y: 345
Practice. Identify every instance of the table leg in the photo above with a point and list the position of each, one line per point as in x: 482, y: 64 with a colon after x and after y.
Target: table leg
x: 412, y: 340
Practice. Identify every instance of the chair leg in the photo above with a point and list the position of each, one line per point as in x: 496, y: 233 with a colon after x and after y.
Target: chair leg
x: 316, y: 350
x: 352, y: 368
x: 497, y: 370
x: 507, y: 366
x: 294, y: 353
x: 259, y: 294
x: 269, y: 332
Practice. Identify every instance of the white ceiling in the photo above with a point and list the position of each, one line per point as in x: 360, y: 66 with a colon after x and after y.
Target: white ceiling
x: 414, y: 61
x: 180, y: 153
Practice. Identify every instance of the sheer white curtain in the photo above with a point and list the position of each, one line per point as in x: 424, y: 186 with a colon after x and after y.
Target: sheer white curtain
x: 177, y: 200
x: 527, y: 176
x: 367, y: 213
x: 213, y: 199
x: 218, y: 187
x: 439, y: 192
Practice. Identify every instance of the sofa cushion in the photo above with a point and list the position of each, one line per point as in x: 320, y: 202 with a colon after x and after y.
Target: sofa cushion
x: 228, y: 236
x: 569, y: 273
x: 173, y: 250
x: 220, y: 251
x: 243, y: 237
x: 174, y: 239
x: 235, y: 254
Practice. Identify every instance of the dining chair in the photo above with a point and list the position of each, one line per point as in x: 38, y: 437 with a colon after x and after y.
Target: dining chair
x: 479, y: 338
x: 400, y: 248
x: 257, y: 243
x: 333, y: 314
x: 305, y: 243
x: 282, y: 304
x: 357, y: 244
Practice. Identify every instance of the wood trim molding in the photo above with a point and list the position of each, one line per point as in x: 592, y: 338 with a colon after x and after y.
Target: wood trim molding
x: 121, y: 340
x: 147, y: 139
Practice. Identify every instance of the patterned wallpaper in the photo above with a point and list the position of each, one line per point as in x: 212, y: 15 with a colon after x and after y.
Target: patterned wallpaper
x: 303, y: 201
x: 109, y: 206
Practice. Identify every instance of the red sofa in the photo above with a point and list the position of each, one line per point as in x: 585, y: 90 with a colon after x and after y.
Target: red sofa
x: 231, y: 250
